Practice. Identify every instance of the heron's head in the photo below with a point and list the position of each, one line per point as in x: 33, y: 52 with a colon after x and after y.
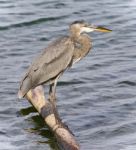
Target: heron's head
x: 79, y: 27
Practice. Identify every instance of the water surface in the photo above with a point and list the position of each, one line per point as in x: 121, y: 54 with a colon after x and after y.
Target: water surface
x: 96, y: 97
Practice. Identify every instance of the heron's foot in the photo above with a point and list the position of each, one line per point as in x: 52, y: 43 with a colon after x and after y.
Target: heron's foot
x: 55, y: 111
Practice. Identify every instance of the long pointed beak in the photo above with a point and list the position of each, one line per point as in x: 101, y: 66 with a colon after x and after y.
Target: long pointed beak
x: 91, y: 28
x: 102, y: 29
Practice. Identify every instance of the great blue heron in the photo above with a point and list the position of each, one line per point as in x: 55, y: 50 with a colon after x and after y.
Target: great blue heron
x: 57, y: 57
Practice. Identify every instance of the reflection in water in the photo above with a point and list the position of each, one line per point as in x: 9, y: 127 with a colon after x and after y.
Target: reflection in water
x: 39, y: 128
x: 27, y: 111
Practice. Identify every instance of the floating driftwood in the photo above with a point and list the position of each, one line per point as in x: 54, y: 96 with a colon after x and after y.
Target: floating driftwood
x: 64, y: 138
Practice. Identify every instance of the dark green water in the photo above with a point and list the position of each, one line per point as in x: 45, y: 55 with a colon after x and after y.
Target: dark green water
x: 96, y: 98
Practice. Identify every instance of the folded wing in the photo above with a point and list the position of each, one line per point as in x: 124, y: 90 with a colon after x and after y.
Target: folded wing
x: 54, y: 60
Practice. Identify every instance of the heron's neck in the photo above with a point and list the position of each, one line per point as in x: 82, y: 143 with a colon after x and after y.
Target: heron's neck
x: 82, y: 46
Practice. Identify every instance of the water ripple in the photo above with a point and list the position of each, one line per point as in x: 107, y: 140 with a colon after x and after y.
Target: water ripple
x: 96, y: 97
x: 31, y: 23
x: 130, y: 83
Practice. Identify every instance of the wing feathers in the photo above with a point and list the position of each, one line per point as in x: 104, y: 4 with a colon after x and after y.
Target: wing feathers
x: 54, y: 60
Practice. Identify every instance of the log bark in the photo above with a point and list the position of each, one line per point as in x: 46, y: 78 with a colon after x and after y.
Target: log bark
x: 64, y: 138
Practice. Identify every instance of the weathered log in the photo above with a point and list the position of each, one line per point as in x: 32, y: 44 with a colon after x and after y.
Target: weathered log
x: 64, y: 138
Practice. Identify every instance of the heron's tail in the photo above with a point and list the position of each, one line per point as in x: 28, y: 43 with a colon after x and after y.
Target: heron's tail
x: 20, y: 94
x: 24, y: 87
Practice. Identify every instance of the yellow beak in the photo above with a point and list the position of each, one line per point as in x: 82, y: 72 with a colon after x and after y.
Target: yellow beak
x: 102, y: 29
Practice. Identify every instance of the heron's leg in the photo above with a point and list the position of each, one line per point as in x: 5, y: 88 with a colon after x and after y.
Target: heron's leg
x: 52, y: 93
x: 52, y: 99
x: 54, y: 90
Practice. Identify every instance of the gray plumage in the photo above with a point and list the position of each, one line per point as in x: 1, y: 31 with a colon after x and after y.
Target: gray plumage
x: 48, y: 65
x: 58, y: 56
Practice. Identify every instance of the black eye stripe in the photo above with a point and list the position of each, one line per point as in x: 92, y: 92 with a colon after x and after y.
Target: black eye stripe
x: 78, y: 22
